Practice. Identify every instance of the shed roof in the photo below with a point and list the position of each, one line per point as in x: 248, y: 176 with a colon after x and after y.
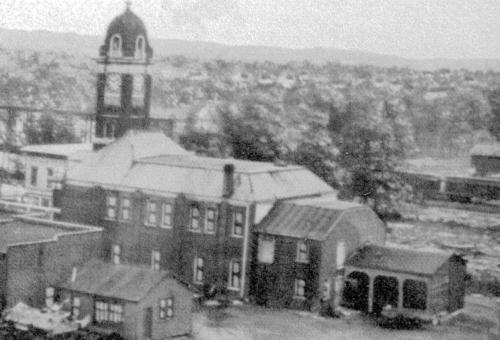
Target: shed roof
x: 152, y: 161
x: 130, y: 283
x: 56, y: 150
x: 401, y: 260
x: 311, y: 218
x: 19, y: 230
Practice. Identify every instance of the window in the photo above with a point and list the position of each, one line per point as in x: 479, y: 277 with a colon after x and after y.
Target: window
x: 302, y: 252
x: 34, y: 176
x: 166, y: 220
x: 125, y: 209
x: 111, y: 205
x: 194, y: 224
x: 49, y: 296
x: 299, y: 290
x: 155, y: 260
x: 138, y: 90
x: 167, y: 308
x: 151, y: 213
x: 140, y: 47
x: 234, y: 274
x: 210, y: 221
x: 266, y: 250
x: 108, y: 130
x: 50, y: 182
x: 341, y: 254
x: 116, y: 252
x: 75, y: 307
x: 115, y: 48
x: 414, y: 294
x: 237, y: 224
x: 112, y: 93
x: 111, y: 312
x: 198, y: 270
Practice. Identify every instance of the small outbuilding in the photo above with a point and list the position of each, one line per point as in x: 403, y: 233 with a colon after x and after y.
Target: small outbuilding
x: 134, y: 302
x: 406, y: 280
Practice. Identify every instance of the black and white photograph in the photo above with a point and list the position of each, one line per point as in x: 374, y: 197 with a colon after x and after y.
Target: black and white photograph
x: 249, y: 169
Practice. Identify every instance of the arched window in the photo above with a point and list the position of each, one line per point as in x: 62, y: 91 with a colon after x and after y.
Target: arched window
x: 140, y: 47
x: 115, y: 46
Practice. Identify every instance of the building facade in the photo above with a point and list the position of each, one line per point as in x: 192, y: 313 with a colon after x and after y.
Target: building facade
x: 124, y: 78
x: 166, y: 207
x: 142, y: 304
x: 36, y: 254
x: 45, y: 168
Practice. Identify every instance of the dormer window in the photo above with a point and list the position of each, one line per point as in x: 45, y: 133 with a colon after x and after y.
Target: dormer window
x: 140, y: 47
x: 115, y: 46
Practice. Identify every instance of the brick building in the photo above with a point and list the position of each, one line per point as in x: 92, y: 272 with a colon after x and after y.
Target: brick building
x: 35, y: 254
x: 167, y: 208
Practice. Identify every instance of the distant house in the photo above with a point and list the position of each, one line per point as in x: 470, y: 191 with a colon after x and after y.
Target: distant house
x: 36, y: 254
x: 45, y: 168
x: 300, y: 250
x: 406, y: 280
x: 134, y: 302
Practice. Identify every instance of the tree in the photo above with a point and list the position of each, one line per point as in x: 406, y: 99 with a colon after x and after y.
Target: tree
x: 251, y: 129
x: 494, y: 100
x: 48, y: 130
x: 371, y: 145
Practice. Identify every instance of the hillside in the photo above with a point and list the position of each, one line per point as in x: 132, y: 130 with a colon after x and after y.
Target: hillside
x: 77, y: 44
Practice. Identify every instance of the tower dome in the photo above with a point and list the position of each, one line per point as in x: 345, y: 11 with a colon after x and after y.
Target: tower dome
x: 126, y: 37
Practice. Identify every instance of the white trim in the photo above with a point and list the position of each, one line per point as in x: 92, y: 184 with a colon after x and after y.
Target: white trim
x: 244, y: 256
x: 112, y: 53
x: 142, y: 51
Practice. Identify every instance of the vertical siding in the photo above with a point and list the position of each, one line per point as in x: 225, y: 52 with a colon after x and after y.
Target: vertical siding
x: 456, y: 292
x: 180, y: 324
x: 437, y: 290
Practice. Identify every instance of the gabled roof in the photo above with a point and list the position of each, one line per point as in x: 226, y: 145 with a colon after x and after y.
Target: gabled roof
x: 130, y: 283
x: 155, y: 162
x: 398, y: 260
x: 310, y: 218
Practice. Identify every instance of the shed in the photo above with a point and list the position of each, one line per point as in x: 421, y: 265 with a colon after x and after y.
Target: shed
x: 485, y: 158
x: 407, y: 280
x: 135, y: 302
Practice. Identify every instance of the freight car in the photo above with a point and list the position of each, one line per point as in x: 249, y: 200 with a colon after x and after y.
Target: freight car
x: 462, y: 189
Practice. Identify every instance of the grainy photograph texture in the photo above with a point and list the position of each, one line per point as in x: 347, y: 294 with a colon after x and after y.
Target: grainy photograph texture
x: 249, y: 169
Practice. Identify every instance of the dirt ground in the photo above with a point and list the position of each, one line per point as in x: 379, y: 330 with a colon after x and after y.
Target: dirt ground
x: 252, y: 322
x: 475, y: 234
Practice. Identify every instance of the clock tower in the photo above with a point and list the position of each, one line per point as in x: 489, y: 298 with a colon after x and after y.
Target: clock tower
x: 124, y: 78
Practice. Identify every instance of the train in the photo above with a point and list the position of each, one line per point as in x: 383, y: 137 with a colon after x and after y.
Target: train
x: 463, y: 189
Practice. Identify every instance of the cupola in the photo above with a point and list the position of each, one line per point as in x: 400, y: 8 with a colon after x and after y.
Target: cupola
x: 126, y: 37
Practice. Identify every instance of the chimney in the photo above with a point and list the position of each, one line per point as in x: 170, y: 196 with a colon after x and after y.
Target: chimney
x: 228, y: 185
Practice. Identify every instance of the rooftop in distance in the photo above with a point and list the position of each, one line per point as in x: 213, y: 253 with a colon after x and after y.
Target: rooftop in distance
x: 55, y: 150
x: 23, y: 229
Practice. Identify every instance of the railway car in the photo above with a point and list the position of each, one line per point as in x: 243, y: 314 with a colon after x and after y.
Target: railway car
x: 425, y: 185
x: 465, y: 189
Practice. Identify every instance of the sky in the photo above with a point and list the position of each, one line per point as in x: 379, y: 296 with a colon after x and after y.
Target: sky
x: 406, y: 28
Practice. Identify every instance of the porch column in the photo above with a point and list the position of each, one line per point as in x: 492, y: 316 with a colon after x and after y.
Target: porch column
x: 370, y: 293
x: 400, y: 293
